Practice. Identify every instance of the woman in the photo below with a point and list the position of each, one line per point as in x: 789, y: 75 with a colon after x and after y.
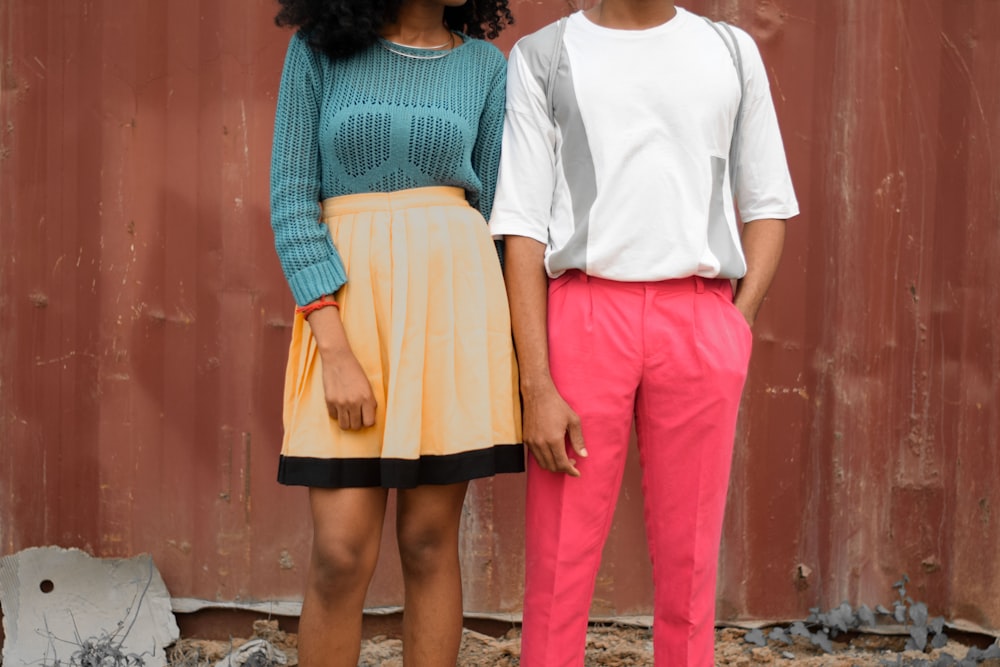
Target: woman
x: 401, y: 371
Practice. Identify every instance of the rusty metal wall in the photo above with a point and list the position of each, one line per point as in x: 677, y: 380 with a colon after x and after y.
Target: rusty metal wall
x: 144, y: 320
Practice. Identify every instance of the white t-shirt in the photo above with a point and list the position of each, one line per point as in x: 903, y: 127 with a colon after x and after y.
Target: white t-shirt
x: 631, y: 182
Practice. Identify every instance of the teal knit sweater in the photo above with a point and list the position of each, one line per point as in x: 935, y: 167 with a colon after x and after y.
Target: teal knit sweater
x: 377, y: 122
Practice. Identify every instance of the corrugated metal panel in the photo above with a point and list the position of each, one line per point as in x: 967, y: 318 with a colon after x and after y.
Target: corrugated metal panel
x: 144, y: 320
x: 871, y: 426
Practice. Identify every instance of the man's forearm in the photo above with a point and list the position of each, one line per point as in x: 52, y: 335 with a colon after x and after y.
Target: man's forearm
x: 527, y: 291
x: 763, y: 241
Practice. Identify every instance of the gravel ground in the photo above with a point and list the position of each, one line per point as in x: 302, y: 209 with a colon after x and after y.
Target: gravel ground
x: 607, y: 646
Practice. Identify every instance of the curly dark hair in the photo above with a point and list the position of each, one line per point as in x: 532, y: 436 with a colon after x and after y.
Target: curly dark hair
x: 339, y: 28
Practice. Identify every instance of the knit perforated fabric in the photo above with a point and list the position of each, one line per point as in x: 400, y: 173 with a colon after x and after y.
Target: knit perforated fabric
x: 377, y: 121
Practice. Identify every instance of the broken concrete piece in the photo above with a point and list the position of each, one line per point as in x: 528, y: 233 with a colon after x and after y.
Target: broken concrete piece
x: 60, y: 602
x: 255, y: 653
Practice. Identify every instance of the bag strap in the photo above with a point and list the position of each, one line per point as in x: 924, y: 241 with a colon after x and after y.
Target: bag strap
x: 726, y: 34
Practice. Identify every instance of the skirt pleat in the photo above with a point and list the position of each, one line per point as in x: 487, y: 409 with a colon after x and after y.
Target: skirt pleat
x: 426, y: 315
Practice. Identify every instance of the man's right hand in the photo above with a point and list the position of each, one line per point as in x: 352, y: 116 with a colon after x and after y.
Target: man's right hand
x: 548, y: 422
x: 548, y: 419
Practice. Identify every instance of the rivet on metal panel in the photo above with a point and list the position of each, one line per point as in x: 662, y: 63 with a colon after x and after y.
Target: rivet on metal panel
x: 183, y: 546
x: 768, y: 22
x: 802, y: 573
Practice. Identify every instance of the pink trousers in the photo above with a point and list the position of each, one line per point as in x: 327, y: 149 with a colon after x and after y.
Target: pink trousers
x: 672, y: 355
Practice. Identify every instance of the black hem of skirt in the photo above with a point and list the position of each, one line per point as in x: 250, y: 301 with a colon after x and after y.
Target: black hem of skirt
x: 400, y: 473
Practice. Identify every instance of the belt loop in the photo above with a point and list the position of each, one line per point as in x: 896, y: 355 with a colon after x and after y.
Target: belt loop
x: 699, y: 285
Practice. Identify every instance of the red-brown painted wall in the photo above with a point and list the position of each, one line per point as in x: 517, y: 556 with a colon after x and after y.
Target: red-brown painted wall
x: 144, y: 320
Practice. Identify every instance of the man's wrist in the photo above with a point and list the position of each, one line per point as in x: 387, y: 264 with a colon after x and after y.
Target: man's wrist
x: 536, y: 383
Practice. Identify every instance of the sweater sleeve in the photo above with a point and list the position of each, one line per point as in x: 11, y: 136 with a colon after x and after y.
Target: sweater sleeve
x: 486, y: 151
x: 308, y: 257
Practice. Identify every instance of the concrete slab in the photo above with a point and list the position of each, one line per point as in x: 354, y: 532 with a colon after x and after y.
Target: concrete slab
x: 60, y: 602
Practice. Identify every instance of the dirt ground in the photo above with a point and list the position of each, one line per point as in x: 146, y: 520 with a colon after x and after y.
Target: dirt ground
x: 607, y: 646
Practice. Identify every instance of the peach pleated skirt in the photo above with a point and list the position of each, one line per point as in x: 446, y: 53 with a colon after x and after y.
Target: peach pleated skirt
x: 426, y: 314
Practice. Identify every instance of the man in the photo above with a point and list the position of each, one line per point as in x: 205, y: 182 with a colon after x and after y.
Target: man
x: 616, y: 205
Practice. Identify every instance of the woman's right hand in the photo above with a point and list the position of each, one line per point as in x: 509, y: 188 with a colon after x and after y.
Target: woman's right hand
x: 349, y: 396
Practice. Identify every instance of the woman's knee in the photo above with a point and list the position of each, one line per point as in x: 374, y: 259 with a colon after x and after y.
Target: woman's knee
x: 340, y: 564
x: 426, y: 549
x: 347, y: 530
x: 427, y: 522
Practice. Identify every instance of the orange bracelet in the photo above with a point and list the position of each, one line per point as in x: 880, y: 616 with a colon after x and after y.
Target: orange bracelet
x: 321, y: 302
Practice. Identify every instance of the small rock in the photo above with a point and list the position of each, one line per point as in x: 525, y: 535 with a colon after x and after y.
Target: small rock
x: 255, y: 653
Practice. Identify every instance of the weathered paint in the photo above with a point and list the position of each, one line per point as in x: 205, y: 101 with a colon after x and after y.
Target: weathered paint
x: 144, y: 320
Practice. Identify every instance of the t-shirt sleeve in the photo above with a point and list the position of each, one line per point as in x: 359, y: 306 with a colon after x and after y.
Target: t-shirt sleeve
x: 763, y: 182
x: 308, y: 257
x: 523, y: 202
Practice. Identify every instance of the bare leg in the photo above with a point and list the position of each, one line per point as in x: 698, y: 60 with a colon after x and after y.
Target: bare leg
x: 347, y: 529
x: 427, y: 530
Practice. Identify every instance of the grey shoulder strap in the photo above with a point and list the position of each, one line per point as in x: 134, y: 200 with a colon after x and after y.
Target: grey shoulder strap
x: 726, y: 34
x: 550, y: 81
x: 728, y: 37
